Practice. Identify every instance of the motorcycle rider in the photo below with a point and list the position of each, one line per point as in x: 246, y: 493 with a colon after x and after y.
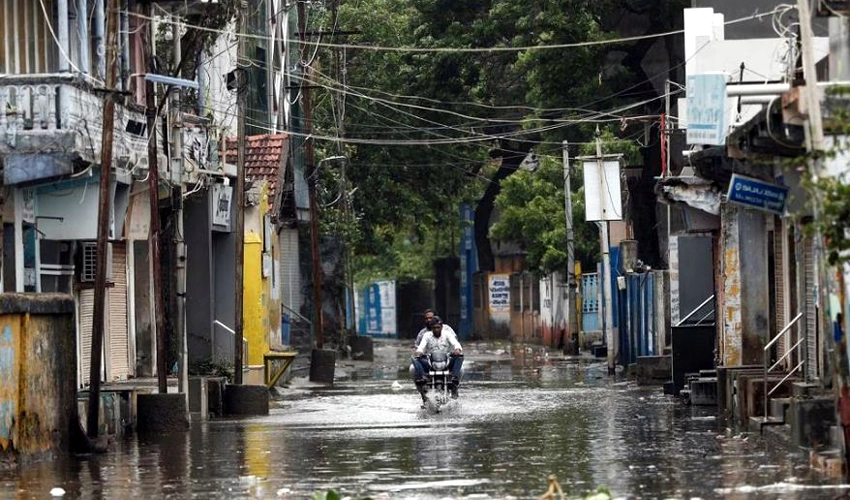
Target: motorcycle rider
x: 429, y: 313
x: 442, y: 342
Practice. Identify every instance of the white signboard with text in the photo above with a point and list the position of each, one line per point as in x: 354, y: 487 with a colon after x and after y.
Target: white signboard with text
x: 602, y: 198
x: 499, y: 287
x: 707, y: 109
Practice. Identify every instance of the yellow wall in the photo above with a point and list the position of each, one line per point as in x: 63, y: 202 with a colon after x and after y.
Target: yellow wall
x: 253, y: 316
x: 261, y: 315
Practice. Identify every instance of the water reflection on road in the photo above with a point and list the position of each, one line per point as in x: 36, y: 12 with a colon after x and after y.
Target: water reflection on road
x: 520, y: 418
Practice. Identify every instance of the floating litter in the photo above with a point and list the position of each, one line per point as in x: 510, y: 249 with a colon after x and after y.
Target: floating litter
x: 396, y: 386
x: 57, y: 492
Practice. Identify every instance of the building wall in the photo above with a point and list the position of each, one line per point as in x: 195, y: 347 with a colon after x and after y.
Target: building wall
x: 261, y: 311
x: 553, y: 309
x: 38, y: 368
x: 253, y: 316
x: 200, y: 302
x: 736, y: 9
x: 745, y: 307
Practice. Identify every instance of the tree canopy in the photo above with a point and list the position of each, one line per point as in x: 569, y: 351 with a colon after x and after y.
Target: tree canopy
x: 436, y: 128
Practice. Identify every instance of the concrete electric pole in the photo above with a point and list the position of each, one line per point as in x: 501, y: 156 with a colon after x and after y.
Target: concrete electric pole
x: 608, y: 318
x: 572, y: 324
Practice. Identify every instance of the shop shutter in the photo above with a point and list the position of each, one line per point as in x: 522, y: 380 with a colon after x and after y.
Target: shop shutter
x: 290, y: 274
x: 85, y: 314
x: 811, y: 366
x: 119, y: 333
x: 779, y: 286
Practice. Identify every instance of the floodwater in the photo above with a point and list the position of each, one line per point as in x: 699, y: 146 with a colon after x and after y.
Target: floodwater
x: 522, y: 416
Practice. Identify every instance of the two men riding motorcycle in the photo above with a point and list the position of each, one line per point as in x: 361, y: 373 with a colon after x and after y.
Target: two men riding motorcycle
x: 437, y: 344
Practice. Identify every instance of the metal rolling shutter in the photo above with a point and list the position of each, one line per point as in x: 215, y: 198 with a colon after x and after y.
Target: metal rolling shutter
x: 779, y: 285
x: 86, y: 314
x: 290, y: 274
x: 811, y: 309
x: 119, y: 333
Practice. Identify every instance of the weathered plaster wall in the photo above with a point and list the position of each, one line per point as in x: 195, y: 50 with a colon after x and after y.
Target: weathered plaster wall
x: 745, y: 305
x: 38, y: 369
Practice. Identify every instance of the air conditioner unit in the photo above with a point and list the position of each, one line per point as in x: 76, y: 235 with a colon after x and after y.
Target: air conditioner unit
x: 828, y: 8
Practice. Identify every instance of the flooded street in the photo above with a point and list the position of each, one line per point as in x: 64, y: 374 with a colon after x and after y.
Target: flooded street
x: 520, y: 418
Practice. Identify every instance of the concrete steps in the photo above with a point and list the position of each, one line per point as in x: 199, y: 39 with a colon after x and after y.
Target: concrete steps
x: 701, y: 388
x: 653, y: 370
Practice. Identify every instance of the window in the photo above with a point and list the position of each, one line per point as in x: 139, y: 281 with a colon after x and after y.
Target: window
x: 88, y: 272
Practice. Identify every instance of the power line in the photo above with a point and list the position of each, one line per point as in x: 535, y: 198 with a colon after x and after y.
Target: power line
x: 409, y: 49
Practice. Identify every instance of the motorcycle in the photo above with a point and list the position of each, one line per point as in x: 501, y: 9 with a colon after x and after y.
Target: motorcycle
x: 436, y: 392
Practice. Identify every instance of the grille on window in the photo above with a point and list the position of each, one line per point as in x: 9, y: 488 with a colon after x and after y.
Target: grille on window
x: 89, y: 262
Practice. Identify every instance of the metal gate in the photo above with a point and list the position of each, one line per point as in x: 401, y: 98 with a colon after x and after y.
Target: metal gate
x: 590, y: 302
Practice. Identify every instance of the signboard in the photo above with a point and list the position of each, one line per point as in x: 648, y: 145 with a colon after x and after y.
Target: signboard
x: 468, y: 265
x: 221, y: 204
x: 602, y: 199
x: 376, y: 309
x: 707, y: 109
x: 757, y: 194
x: 500, y: 293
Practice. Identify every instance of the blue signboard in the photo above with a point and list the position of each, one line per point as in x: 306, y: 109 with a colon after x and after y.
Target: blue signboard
x: 468, y: 266
x: 707, y: 109
x: 758, y: 194
x: 376, y: 309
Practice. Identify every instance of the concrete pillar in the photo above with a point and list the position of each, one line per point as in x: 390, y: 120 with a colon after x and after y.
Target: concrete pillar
x: 38, y: 373
x: 246, y: 400
x: 744, y: 310
x: 158, y: 413
x: 200, y: 300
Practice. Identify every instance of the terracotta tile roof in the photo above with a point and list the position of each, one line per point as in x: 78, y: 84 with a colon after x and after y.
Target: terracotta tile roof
x: 262, y: 157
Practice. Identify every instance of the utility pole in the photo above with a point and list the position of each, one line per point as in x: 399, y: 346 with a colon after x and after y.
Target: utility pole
x: 312, y: 181
x: 608, y: 321
x: 180, y: 242
x: 665, y: 133
x: 572, y: 324
x: 241, y: 102
x: 153, y: 231
x: 98, y: 322
x: 815, y: 145
x: 839, y: 64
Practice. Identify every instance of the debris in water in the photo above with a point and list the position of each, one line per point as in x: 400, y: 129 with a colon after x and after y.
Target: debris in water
x: 396, y: 386
x: 57, y: 492
x: 554, y: 487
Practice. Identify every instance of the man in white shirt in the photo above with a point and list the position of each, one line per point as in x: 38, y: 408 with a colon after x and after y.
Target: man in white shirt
x: 429, y: 314
x: 438, y: 342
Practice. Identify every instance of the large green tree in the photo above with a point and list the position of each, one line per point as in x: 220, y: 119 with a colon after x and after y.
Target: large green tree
x: 487, y: 108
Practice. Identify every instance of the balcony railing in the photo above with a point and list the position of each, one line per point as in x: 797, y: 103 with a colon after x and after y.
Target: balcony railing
x: 61, y: 113
x: 30, y: 102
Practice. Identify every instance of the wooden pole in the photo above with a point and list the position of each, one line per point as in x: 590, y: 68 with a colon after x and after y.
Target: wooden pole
x: 239, y: 197
x: 153, y: 231
x: 103, y: 220
x: 312, y: 181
